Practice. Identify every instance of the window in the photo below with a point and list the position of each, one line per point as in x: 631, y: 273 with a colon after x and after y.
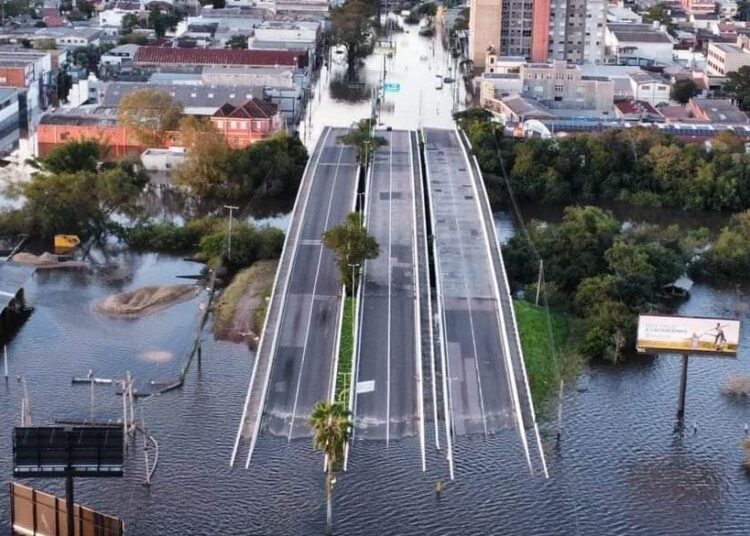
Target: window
x: 646, y: 88
x: 64, y: 135
x: 233, y: 125
x: 559, y: 88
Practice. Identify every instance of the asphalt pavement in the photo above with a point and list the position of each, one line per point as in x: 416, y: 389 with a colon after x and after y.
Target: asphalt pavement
x: 303, y: 362
x: 387, y: 395
x: 479, y: 391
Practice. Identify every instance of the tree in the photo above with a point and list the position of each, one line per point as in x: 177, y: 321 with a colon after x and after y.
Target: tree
x: 351, y: 244
x: 129, y: 22
x: 74, y: 156
x: 683, y: 90
x: 204, y: 171
x: 86, y: 8
x: 730, y: 255
x: 743, y: 10
x: 331, y: 426
x: 161, y: 22
x: 63, y: 83
x: 149, y: 114
x: 658, y: 13
x: 737, y: 86
x: 362, y: 138
x: 237, y: 42
x: 350, y: 28
x: 428, y: 9
x: 133, y: 39
x: 82, y: 201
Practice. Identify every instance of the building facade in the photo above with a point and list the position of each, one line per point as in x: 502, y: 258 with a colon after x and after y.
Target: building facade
x: 250, y: 122
x: 562, y: 85
x: 723, y: 58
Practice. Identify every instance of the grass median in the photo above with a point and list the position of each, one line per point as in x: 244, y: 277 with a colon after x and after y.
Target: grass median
x: 346, y: 353
x: 544, y: 368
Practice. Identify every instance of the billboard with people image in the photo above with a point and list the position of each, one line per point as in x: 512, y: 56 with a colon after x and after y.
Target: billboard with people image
x: 688, y: 335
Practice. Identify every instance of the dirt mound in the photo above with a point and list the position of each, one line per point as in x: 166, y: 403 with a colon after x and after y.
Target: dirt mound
x: 146, y: 300
x: 45, y: 260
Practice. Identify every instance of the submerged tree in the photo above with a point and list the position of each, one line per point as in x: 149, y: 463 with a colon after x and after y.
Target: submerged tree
x: 362, y: 138
x: 352, y: 245
x: 149, y: 114
x: 331, y: 427
x: 350, y: 28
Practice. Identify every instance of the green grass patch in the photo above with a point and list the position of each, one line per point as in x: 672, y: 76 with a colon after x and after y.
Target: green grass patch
x: 346, y: 352
x: 544, y: 371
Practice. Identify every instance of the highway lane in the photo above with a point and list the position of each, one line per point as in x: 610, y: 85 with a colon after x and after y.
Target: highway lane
x: 387, y: 395
x: 303, y: 363
x: 480, y: 397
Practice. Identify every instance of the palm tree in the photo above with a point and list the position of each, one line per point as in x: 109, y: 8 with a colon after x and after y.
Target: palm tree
x: 331, y: 426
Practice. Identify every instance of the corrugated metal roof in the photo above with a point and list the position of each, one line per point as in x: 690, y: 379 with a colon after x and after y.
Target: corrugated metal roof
x: 220, y: 56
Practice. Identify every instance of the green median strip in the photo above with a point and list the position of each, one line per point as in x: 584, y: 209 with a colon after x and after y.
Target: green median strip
x: 346, y: 353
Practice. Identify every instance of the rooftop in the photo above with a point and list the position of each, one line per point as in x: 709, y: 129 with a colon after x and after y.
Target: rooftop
x: 720, y: 110
x: 78, y: 119
x: 190, y: 96
x: 727, y: 47
x: 638, y: 33
x: 252, y: 109
x: 635, y: 107
x: 218, y: 56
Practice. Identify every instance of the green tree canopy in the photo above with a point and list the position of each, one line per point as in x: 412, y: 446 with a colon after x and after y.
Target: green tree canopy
x: 350, y: 28
x: 149, y: 114
x: 78, y: 201
x: 737, y: 86
x: 237, y: 42
x: 683, y: 90
x: 362, y: 138
x: 74, y: 156
x: 351, y: 244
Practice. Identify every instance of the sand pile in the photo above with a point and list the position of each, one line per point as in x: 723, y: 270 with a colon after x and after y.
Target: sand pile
x: 45, y: 260
x: 146, y: 300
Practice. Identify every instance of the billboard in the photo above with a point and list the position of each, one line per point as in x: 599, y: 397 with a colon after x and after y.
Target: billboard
x: 688, y: 335
x: 49, y: 451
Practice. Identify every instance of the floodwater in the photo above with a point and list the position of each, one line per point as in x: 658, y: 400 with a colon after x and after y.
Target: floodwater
x: 618, y: 470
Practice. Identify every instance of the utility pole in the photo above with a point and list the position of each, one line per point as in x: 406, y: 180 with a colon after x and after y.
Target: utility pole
x: 231, y: 210
x: 539, y: 282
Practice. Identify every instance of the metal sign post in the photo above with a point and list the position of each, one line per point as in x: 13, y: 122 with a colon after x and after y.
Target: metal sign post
x: 683, y: 388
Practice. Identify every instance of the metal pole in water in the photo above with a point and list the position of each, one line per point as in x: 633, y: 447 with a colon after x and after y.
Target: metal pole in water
x: 5, y: 361
x: 683, y: 389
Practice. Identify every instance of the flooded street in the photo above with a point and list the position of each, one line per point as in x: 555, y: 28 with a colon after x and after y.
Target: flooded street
x: 619, y: 469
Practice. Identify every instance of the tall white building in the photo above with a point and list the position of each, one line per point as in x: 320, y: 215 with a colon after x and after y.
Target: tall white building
x: 576, y: 30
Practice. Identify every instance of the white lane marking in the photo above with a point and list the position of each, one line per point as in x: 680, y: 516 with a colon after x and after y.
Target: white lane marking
x: 500, y: 316
x: 390, y: 278
x: 312, y: 301
x: 464, y: 260
x: 259, y: 417
x: 445, y: 367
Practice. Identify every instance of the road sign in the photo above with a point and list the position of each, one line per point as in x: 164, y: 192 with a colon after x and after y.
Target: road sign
x: 391, y: 87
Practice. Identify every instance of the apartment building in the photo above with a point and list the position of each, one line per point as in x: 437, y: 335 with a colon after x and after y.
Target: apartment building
x: 484, y: 29
x: 538, y: 30
x: 577, y: 30
x: 723, y: 58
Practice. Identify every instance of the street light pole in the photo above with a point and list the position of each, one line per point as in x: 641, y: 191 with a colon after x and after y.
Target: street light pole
x: 231, y: 210
x: 353, y: 267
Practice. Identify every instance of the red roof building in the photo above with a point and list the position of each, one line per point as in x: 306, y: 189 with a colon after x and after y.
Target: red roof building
x: 247, y: 123
x: 219, y: 56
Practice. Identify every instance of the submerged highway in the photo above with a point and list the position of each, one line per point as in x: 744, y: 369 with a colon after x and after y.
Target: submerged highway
x: 482, y: 386
x: 472, y: 374
x: 388, y: 392
x: 295, y: 361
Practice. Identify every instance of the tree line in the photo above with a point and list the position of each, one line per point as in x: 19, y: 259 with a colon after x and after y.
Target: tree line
x: 637, y: 165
